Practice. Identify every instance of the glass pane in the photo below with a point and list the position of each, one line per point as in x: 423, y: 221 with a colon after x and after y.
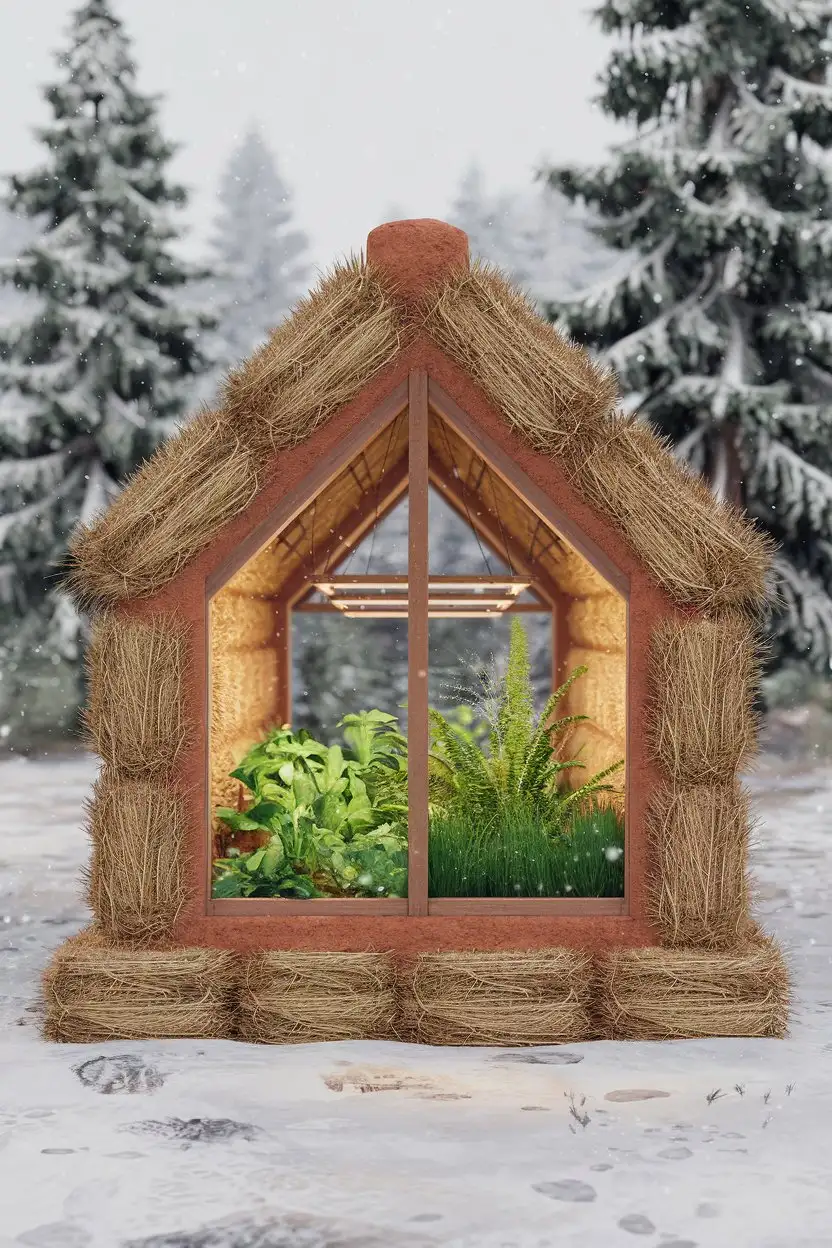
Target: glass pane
x: 308, y: 731
x: 522, y: 804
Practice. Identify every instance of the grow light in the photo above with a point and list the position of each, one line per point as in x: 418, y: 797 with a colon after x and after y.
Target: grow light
x: 386, y: 597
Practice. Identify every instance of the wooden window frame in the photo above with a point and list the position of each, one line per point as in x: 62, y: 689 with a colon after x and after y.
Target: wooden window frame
x: 420, y: 395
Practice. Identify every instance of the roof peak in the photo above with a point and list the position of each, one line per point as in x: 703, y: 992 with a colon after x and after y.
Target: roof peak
x: 416, y: 255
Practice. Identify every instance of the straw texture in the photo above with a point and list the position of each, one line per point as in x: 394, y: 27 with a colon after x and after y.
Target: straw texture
x: 314, y: 363
x: 136, y: 881
x: 704, y: 674
x: 135, y: 714
x: 94, y: 991
x: 539, y: 997
x: 240, y: 622
x: 701, y: 552
x: 699, y: 891
x: 299, y: 997
x: 548, y: 389
x: 673, y: 994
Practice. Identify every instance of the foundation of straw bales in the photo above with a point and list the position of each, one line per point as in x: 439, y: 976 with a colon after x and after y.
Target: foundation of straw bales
x: 172, y: 637
x: 95, y: 990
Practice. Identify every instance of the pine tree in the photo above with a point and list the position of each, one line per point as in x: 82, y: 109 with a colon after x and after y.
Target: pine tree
x: 93, y: 380
x: 258, y: 257
x: 719, y: 324
x: 536, y: 237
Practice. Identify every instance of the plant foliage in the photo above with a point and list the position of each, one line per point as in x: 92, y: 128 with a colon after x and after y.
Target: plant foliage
x: 522, y: 768
x: 334, y: 817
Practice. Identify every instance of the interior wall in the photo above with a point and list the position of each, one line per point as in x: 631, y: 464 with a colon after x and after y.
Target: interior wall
x: 245, y: 677
x: 596, y: 621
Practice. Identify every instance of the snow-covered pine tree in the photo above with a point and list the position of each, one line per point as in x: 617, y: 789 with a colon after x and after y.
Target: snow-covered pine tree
x: 720, y: 327
x: 95, y: 378
x: 535, y: 236
x: 15, y: 233
x: 258, y: 257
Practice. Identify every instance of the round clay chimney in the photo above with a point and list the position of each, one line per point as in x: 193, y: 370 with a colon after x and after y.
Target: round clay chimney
x: 416, y: 255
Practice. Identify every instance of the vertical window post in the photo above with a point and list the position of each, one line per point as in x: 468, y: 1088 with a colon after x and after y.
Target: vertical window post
x: 418, y: 733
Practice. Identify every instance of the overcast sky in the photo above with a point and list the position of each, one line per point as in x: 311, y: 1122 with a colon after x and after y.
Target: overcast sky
x: 368, y: 104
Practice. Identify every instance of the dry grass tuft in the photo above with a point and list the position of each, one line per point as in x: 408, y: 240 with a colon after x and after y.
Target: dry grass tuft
x: 702, y: 552
x: 703, y: 675
x: 314, y: 363
x: 699, y: 839
x: 548, y: 388
x: 95, y: 992
x: 168, y: 512
x: 674, y: 994
x: 512, y: 998
x: 136, y: 879
x: 135, y: 714
x: 299, y: 997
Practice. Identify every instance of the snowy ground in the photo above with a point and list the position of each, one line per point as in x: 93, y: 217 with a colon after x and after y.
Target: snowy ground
x: 369, y: 1145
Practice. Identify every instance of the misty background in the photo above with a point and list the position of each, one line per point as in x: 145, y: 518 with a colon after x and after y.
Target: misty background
x: 177, y: 175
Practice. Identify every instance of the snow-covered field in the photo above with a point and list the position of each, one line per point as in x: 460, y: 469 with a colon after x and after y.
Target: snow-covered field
x: 368, y: 1145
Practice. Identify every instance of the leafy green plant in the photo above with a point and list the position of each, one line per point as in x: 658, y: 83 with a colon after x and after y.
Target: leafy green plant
x: 333, y: 819
x: 521, y: 769
x: 520, y: 857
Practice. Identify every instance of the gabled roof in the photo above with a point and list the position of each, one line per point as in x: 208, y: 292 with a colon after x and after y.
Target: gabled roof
x: 416, y: 281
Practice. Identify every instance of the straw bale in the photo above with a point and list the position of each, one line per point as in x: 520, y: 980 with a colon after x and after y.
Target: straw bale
x: 137, y: 872
x: 239, y: 622
x: 168, y: 512
x: 243, y: 691
x: 701, y: 551
x: 262, y: 575
x: 314, y: 363
x: 675, y: 994
x: 601, y: 693
x: 135, y: 713
x: 226, y: 754
x: 298, y: 997
x: 548, y: 389
x: 574, y: 575
x: 699, y: 892
x: 703, y: 675
x: 599, y: 623
x: 513, y: 998
x: 94, y: 991
x: 596, y: 751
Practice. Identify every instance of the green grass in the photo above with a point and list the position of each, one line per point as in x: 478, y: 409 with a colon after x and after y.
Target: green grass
x: 517, y: 857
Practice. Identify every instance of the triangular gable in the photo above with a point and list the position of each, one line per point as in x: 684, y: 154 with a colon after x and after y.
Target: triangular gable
x: 350, y: 332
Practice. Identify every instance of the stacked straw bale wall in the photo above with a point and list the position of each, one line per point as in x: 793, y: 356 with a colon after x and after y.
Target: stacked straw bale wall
x: 136, y: 722
x: 703, y: 676
x: 96, y: 990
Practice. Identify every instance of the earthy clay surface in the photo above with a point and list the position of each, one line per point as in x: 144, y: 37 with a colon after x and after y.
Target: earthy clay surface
x: 187, y: 597
x: 415, y: 255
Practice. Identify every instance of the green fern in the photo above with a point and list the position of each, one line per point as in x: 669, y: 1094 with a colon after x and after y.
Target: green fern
x: 522, y: 767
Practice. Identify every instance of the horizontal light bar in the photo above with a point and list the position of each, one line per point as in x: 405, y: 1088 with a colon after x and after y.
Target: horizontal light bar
x: 382, y: 610
x: 332, y: 584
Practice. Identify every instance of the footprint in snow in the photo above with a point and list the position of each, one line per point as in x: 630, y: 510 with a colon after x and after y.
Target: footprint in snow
x: 125, y: 1073
x: 566, y: 1189
x: 636, y: 1224
x: 557, y: 1057
x: 196, y: 1130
